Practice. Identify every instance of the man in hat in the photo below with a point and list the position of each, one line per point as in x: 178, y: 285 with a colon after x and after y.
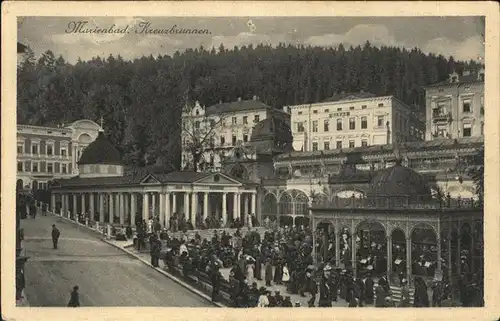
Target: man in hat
x: 368, y: 285
x: 325, y: 288
x: 437, y: 293
x: 310, y: 286
x: 55, y: 235
x: 278, y: 298
x: 287, y: 303
x: 268, y: 272
x: 74, y: 300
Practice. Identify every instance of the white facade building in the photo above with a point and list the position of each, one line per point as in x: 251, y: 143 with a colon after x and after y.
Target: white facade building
x: 221, y: 127
x: 353, y: 121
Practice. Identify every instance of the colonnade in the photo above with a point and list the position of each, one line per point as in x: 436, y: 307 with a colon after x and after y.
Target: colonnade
x: 124, y: 205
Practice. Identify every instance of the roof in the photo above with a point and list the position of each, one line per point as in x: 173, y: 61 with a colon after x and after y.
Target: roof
x: 350, y: 96
x: 400, y: 181
x: 436, y: 144
x: 467, y: 79
x: 236, y: 106
x: 178, y: 177
x: 100, y: 151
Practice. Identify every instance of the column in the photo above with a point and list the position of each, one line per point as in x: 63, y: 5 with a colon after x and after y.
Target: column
x: 194, y: 203
x: 459, y: 250
x: 224, y: 208
x: 63, y: 205
x: 254, y: 204
x: 450, y: 270
x: 91, y: 206
x: 111, y: 208
x: 337, y: 244
x: 153, y: 205
x: 205, y: 206
x: 439, y: 265
x: 235, y: 206
x: 353, y: 253
x: 174, y: 202
x: 186, y: 205
x: 408, y: 259
x: 145, y: 207
x: 389, y: 256
x: 133, y: 208
x: 75, y: 204
x: 83, y: 204
x: 53, y: 202
x: 162, y: 208
x: 101, y: 207
x: 167, y: 210
x: 126, y: 207
x: 122, y: 209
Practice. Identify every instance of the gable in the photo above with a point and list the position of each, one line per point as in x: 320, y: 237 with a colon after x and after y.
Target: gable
x: 218, y: 179
x: 150, y: 179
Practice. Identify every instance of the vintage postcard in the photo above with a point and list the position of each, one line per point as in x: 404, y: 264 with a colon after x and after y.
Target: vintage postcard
x: 330, y: 158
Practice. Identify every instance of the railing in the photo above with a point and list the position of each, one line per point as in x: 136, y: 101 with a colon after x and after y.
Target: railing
x: 405, y: 202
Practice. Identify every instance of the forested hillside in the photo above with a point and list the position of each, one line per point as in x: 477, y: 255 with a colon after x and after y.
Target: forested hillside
x: 141, y: 100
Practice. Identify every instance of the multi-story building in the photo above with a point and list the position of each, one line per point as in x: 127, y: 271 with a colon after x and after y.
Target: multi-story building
x: 219, y: 128
x: 47, y: 153
x: 455, y: 107
x: 354, y: 120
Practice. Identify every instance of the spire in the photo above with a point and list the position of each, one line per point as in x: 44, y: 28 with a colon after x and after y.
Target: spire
x: 397, y: 152
x: 101, y: 130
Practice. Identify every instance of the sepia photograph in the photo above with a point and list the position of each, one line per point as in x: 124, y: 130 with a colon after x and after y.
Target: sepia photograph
x: 250, y: 161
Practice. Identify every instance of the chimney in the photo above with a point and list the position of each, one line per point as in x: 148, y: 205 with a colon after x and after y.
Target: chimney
x: 254, y: 97
x: 239, y: 98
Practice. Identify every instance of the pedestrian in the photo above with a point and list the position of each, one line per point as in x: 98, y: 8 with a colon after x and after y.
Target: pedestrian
x: 74, y: 300
x: 269, y: 272
x: 405, y: 294
x: 55, y: 235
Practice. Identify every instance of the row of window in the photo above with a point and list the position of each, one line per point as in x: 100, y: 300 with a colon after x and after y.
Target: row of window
x: 300, y: 126
x: 35, y: 149
x: 35, y: 168
x: 441, y: 108
x: 234, y: 139
x: 315, y: 111
x: 339, y: 144
x: 442, y: 130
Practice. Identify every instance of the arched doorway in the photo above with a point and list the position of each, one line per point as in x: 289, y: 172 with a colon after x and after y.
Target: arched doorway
x: 345, y: 248
x: 34, y: 185
x: 301, y: 205
x: 371, y: 248
x: 269, y: 209
x: 398, y: 239
x: 285, y: 208
x: 424, y: 250
x: 19, y: 184
x: 325, y: 242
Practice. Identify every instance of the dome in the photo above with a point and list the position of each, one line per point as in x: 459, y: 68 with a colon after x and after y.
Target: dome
x: 100, y: 151
x: 273, y: 134
x: 400, y: 181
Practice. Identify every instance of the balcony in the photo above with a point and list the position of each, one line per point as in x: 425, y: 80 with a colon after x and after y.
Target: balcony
x: 440, y: 116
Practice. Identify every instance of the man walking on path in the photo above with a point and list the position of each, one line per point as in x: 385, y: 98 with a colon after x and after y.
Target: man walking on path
x: 74, y: 300
x: 55, y: 235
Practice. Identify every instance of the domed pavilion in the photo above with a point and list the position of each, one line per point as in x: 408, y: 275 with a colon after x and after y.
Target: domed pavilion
x: 400, y: 229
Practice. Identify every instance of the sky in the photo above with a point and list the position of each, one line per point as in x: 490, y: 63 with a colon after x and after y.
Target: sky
x: 460, y: 37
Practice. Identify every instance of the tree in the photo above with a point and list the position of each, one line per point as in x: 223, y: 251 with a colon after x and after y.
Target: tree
x: 476, y: 171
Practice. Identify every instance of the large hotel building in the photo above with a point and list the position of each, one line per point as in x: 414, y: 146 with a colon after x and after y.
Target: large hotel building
x: 354, y: 120
x: 47, y: 153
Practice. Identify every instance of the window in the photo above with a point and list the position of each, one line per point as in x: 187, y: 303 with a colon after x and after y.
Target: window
x: 352, y: 123
x: 20, y: 148
x: 363, y: 107
x: 351, y: 144
x: 339, y: 144
x: 380, y: 121
x: 256, y: 118
x: 34, y: 167
x: 441, y: 131
x: 339, y: 124
x: 300, y: 127
x: 327, y: 110
x: 326, y: 125
x: 351, y: 108
x: 234, y: 121
x: 64, y: 168
x: 245, y: 120
x: 315, y: 146
x: 300, y: 113
x: 467, y: 130
x: 326, y: 145
x: 315, y: 111
x: 34, y: 149
x: 27, y: 166
x: 364, y: 122
x: 196, y: 125
x: 234, y: 140
x: 50, y: 168
x: 466, y: 104
x: 245, y: 138
x: 339, y: 109
x: 315, y: 126
x: 381, y: 105
x: 20, y: 166
x: 364, y: 143
x: 63, y: 151
x: 50, y: 150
